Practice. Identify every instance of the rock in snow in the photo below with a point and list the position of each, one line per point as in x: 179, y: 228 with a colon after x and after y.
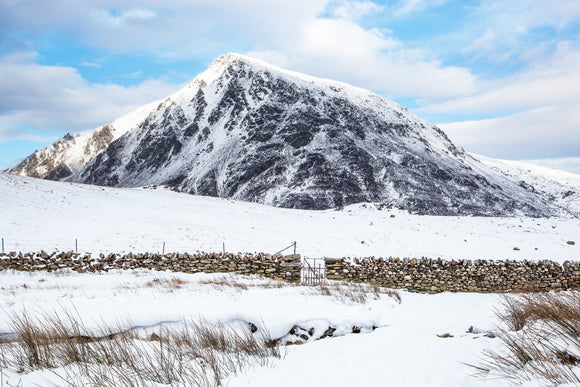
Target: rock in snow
x: 247, y: 130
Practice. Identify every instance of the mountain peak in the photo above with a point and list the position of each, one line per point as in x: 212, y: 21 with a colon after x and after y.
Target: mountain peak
x: 248, y: 130
x: 227, y: 61
x: 231, y: 57
x: 220, y: 65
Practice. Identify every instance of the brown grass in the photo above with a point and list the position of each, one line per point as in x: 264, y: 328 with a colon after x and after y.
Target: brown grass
x: 348, y: 291
x: 232, y: 282
x: 172, y: 283
x: 540, y: 340
x: 224, y: 282
x: 355, y: 292
x: 199, y: 354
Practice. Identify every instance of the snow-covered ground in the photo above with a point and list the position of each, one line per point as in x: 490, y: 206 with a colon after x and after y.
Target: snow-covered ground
x: 38, y: 214
x: 404, y: 349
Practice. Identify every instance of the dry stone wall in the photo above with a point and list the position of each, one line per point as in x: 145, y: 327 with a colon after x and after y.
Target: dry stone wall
x: 423, y: 275
x: 285, y: 268
x: 437, y: 275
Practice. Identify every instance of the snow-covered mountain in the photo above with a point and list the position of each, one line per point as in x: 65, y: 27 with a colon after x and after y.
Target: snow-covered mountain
x: 247, y: 130
x: 559, y: 187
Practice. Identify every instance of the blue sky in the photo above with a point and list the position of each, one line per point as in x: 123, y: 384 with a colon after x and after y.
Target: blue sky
x: 501, y: 78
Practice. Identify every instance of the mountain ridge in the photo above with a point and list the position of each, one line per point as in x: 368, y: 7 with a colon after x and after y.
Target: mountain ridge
x: 251, y: 131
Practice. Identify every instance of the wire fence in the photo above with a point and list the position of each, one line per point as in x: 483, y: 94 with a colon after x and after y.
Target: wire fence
x: 122, y: 245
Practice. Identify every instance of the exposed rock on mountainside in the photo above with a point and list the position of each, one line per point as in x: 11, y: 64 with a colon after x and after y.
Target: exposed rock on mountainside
x: 246, y: 130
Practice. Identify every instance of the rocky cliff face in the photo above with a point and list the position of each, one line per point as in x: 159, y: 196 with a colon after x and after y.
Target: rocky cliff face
x: 246, y: 130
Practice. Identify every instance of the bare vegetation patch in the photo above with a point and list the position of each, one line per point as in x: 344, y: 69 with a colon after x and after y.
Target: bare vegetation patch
x: 242, y: 283
x: 199, y: 354
x: 541, y: 339
x: 341, y: 291
x: 172, y: 283
x: 356, y: 293
x: 224, y: 282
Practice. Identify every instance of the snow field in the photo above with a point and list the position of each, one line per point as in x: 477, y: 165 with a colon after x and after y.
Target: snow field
x: 404, y: 349
x: 47, y: 215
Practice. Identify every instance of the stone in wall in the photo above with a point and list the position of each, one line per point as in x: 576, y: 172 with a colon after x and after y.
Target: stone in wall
x: 437, y: 275
x: 286, y: 268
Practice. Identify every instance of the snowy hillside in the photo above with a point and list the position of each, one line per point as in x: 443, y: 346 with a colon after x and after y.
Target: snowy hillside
x: 560, y: 187
x: 39, y: 214
x: 250, y: 131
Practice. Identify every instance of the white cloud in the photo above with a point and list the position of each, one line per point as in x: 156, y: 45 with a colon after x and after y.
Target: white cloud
x: 508, y: 31
x: 130, y: 15
x: 537, y: 113
x: 407, y: 7
x: 91, y: 64
x: 274, y: 57
x: 177, y: 28
x: 343, y: 50
x: 484, y: 44
x: 342, y: 39
x: 536, y: 133
x: 520, y: 15
x: 55, y: 97
x: 356, y: 10
x: 290, y: 34
x: 550, y: 84
x: 10, y: 133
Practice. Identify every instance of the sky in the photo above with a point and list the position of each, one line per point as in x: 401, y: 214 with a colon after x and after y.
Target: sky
x: 502, y: 79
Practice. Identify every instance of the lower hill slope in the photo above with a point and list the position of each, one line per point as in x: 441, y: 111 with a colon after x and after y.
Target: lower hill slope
x: 38, y: 214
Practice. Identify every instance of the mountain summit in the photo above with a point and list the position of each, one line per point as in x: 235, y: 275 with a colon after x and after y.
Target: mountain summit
x: 247, y: 130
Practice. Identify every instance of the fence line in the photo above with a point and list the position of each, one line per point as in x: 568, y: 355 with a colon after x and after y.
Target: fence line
x: 24, y: 245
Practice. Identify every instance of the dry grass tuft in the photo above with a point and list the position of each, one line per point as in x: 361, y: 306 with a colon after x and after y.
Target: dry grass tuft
x: 224, y: 282
x: 355, y: 292
x: 232, y: 282
x: 349, y: 291
x: 170, y: 284
x: 199, y: 354
x: 541, y: 340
